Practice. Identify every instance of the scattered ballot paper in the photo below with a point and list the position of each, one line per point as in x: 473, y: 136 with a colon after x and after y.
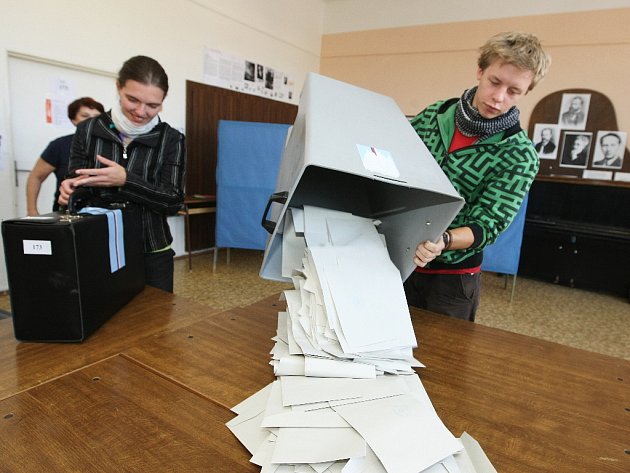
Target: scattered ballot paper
x: 346, y: 398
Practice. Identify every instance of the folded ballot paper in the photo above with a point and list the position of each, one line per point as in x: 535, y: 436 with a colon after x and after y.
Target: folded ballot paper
x: 338, y: 404
x: 347, y: 315
x: 359, y: 190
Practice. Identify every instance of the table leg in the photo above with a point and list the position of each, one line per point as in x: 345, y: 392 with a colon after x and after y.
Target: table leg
x: 187, y: 222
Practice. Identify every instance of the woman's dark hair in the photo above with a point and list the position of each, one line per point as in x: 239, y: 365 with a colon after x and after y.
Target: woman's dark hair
x: 88, y: 102
x: 145, y: 70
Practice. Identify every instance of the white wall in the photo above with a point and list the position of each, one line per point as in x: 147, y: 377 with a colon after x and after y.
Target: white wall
x: 283, y: 34
x: 359, y: 15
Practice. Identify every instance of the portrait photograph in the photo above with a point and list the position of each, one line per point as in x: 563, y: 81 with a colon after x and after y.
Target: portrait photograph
x: 250, y: 71
x: 545, y: 139
x: 269, y: 74
x: 576, y: 148
x: 610, y: 147
x: 574, y: 111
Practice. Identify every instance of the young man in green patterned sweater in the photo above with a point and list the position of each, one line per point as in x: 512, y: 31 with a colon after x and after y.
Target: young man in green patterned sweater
x: 478, y: 141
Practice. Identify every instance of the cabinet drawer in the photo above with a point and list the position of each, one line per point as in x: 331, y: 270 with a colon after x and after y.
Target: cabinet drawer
x: 596, y: 262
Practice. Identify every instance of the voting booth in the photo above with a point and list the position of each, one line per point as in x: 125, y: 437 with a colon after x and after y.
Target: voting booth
x: 68, y: 274
x: 354, y: 150
x: 248, y: 159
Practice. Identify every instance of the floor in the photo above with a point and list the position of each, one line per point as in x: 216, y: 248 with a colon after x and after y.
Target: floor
x: 582, y: 319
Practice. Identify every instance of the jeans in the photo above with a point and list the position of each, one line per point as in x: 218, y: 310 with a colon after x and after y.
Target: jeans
x: 456, y: 295
x: 159, y: 268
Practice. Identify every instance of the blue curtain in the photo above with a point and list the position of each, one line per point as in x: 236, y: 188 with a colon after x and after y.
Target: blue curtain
x: 248, y: 162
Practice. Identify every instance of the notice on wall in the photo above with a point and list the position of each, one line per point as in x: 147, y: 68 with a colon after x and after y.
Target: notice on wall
x: 60, y: 94
x: 236, y: 73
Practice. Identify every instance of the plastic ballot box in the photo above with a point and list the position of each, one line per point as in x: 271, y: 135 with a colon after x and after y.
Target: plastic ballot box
x: 353, y: 150
x: 68, y: 274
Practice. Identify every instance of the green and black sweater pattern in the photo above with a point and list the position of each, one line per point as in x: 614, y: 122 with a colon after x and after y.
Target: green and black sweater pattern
x: 493, y: 176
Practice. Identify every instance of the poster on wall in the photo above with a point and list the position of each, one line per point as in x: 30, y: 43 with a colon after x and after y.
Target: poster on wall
x: 60, y: 94
x: 236, y: 73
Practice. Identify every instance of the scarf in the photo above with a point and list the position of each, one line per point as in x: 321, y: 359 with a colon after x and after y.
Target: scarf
x: 470, y: 122
x: 126, y: 126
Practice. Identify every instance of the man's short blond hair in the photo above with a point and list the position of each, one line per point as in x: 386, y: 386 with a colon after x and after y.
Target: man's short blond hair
x: 522, y: 50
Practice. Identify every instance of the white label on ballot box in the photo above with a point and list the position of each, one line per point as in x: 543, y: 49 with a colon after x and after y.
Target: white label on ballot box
x: 37, y: 247
x: 379, y: 161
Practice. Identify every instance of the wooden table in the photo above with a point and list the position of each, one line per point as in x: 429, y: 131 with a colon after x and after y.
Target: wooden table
x: 534, y: 406
x: 196, y: 205
x: 151, y: 391
x: 24, y: 365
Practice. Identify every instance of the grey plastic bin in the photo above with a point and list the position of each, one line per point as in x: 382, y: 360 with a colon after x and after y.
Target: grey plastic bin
x: 354, y: 150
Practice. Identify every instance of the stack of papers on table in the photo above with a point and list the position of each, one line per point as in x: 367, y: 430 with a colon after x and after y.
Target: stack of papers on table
x: 346, y: 398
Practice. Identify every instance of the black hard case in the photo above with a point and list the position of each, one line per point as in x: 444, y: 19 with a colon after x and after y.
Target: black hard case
x: 67, y: 295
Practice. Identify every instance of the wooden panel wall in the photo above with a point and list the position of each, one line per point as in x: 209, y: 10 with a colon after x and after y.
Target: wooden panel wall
x: 601, y: 117
x: 205, y: 106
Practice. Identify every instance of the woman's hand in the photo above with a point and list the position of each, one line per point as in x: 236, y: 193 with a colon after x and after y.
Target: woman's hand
x: 66, y: 188
x: 112, y: 175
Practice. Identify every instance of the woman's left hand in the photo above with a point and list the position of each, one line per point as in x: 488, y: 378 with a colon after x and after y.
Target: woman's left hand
x: 112, y: 175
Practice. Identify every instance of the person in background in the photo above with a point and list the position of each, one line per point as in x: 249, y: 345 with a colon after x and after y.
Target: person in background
x: 129, y: 155
x: 478, y: 142
x: 56, y: 155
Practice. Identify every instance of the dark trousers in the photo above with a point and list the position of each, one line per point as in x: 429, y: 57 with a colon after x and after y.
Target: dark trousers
x: 159, y: 268
x: 456, y: 295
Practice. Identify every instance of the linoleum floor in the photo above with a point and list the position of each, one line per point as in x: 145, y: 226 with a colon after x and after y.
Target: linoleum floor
x: 578, y: 318
x: 582, y: 319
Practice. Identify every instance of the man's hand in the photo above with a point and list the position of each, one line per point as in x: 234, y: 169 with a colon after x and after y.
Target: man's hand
x: 427, y: 251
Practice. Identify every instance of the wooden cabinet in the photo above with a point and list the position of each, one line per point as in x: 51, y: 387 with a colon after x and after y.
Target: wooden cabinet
x: 578, y: 235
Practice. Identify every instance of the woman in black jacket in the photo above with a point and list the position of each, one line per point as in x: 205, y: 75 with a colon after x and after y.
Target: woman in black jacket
x: 129, y: 155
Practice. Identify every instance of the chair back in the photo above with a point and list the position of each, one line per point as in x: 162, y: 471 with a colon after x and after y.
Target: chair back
x: 504, y: 254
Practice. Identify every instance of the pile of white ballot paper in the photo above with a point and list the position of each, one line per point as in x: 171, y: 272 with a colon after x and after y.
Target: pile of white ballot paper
x: 346, y: 398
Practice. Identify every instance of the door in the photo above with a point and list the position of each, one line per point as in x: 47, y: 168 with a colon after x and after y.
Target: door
x: 39, y: 94
x: 33, y: 82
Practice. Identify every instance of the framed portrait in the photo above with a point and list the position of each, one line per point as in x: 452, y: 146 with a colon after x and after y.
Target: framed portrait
x: 545, y: 139
x: 574, y: 111
x: 610, y: 147
x: 576, y: 148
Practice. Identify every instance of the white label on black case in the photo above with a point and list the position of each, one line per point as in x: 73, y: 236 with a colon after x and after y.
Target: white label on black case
x: 37, y: 247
